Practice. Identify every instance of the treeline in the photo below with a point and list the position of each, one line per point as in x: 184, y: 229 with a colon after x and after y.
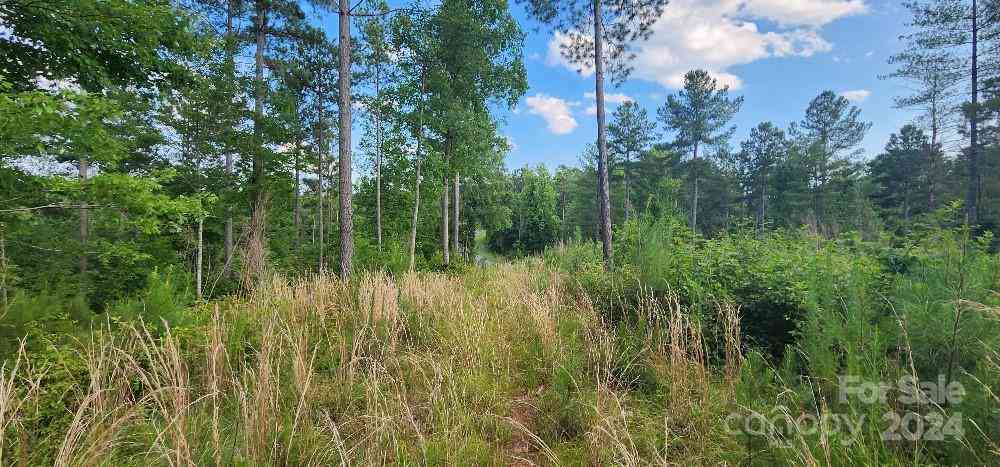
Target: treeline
x: 227, y: 139
x: 683, y: 159
x: 234, y: 138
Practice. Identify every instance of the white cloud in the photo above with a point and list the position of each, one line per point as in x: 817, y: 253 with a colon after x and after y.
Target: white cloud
x: 718, y: 34
x: 857, y: 95
x: 610, y: 97
x: 554, y: 57
x: 554, y: 110
x: 804, y: 12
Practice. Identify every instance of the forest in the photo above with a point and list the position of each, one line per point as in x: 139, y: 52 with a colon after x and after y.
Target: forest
x: 289, y: 232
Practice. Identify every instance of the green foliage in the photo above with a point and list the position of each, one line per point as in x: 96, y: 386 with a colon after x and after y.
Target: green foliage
x: 813, y: 310
x: 700, y: 113
x: 130, y: 158
x: 534, y: 224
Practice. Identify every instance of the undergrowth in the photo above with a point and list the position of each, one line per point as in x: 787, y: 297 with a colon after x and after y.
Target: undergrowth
x: 732, y: 351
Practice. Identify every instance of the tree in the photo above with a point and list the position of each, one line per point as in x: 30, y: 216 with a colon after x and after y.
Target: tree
x: 699, y: 115
x: 759, y: 154
x: 98, y: 47
x: 411, y: 44
x: 306, y: 72
x: 228, y: 113
x: 616, y: 24
x: 534, y: 221
x: 658, y: 185
x: 949, y: 40
x: 375, y: 38
x: 346, y: 216
x: 227, y: 102
x: 630, y: 135
x: 898, y: 172
x: 577, y: 208
x: 344, y: 140
x: 473, y: 56
x: 96, y: 43
x: 272, y: 19
x: 828, y: 137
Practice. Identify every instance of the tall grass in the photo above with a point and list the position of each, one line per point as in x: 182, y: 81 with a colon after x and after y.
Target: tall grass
x: 512, y: 364
x: 422, y: 368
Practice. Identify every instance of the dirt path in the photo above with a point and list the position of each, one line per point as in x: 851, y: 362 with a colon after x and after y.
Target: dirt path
x: 522, y: 449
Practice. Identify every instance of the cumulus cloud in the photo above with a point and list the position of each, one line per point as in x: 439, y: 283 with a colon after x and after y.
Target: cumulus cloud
x: 857, y: 95
x: 554, y: 111
x: 718, y: 34
x: 804, y: 12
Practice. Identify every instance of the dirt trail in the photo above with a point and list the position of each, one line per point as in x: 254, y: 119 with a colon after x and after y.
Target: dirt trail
x: 522, y: 449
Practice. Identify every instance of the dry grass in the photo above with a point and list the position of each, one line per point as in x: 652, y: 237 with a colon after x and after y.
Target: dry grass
x: 16, y: 391
x: 423, y: 368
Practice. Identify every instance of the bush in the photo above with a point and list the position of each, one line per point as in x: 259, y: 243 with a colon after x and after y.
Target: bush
x: 816, y: 309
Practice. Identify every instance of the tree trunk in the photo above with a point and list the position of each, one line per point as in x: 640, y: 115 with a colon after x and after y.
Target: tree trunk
x: 694, y: 199
x: 3, y: 269
x: 416, y: 195
x: 604, y: 197
x: 344, y: 78
x: 972, y: 193
x: 256, y: 238
x: 416, y: 209
x: 763, y: 205
x: 906, y: 203
x: 628, y: 198
x: 297, y: 202
x: 378, y: 158
x: 198, y: 258
x: 931, y: 155
x: 694, y: 206
x: 230, y: 57
x: 84, y: 168
x: 562, y: 217
x: 320, y: 170
x: 520, y: 213
x: 333, y: 206
x: 445, y: 226
x: 456, y: 213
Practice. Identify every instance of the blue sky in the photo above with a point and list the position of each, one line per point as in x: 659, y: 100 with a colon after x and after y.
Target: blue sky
x: 778, y: 54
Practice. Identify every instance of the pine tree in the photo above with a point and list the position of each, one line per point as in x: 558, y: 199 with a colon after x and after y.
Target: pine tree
x: 899, y: 171
x: 828, y: 138
x: 630, y: 135
x: 952, y: 39
x: 615, y: 26
x: 699, y: 116
x: 765, y: 149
